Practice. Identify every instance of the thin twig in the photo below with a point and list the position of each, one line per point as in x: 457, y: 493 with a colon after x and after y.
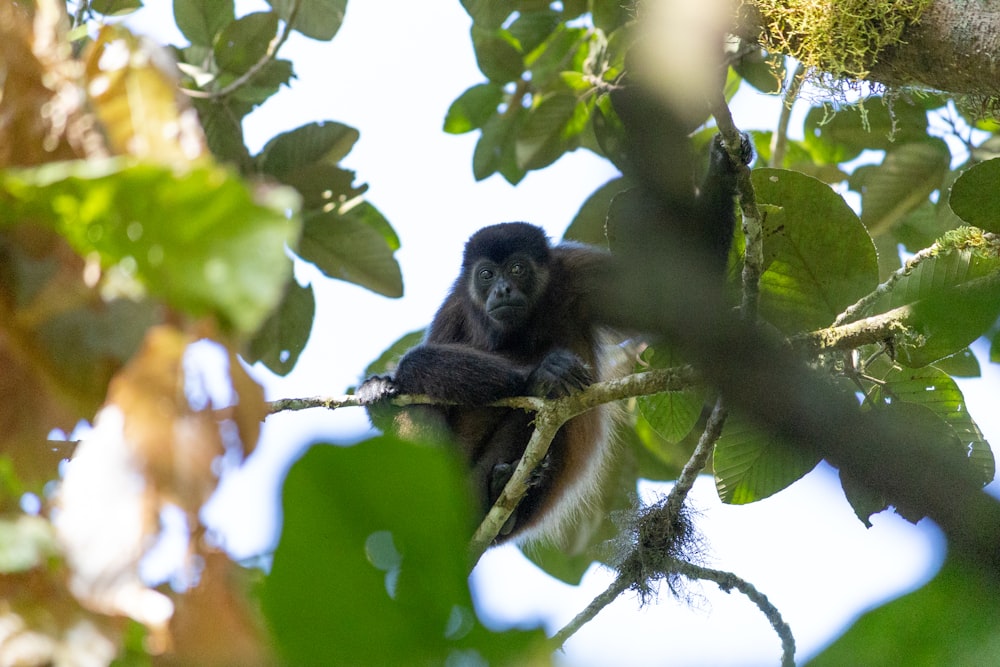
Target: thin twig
x: 779, y: 140
x: 853, y: 311
x: 610, y: 594
x: 698, y: 461
x: 728, y: 581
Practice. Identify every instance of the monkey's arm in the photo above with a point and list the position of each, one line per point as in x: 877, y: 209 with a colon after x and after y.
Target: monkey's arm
x: 467, y: 376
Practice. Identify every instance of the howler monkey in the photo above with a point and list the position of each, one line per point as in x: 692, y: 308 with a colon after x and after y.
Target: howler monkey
x: 521, y: 320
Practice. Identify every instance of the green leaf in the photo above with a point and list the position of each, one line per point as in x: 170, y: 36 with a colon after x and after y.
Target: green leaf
x: 610, y: 133
x: 494, y: 144
x: 266, y: 82
x: 488, y: 13
x: 317, y: 19
x: 936, y: 391
x: 497, y: 54
x: 26, y: 542
x: 765, y: 72
x: 952, y: 300
x: 906, y: 177
x: 281, y: 339
x: 473, y: 108
x: 199, y: 239
x: 907, y: 417
x: 564, y: 50
x: 751, y: 465
x: 833, y: 137
x: 975, y: 197
x: 115, y: 7
x: 588, y: 224
x: 609, y: 15
x: 223, y: 132
x: 531, y: 28
x: 374, y: 556
x: 549, y: 130
x: 305, y: 146
x: 201, y: 20
x: 352, y: 246
x: 244, y: 42
x: 962, y: 364
x: 818, y: 257
x: 672, y: 414
x: 386, y: 363
x: 953, y: 620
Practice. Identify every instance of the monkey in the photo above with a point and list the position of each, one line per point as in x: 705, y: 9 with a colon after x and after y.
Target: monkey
x: 521, y: 319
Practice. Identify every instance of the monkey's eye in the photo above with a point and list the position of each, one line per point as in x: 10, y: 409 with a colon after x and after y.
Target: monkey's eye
x: 485, y: 274
x: 516, y: 269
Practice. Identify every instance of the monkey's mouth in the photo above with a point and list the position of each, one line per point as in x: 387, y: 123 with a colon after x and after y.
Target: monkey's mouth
x: 508, y: 312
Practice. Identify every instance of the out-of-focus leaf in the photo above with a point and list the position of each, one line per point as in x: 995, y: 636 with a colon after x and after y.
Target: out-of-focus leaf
x: 531, y: 28
x: 751, y: 465
x: 244, y: 42
x: 26, y: 542
x: 609, y: 132
x: 28, y: 137
x: 136, y: 99
x: 563, y: 51
x: 200, y: 239
x: 975, y: 198
x: 115, y: 7
x: 907, y: 175
x: 317, y: 19
x: 812, y: 271
x: 473, y: 108
x: 201, y: 21
x: 498, y: 54
x: 351, y: 246
x: 67, y: 341
x: 953, y: 620
x: 356, y: 545
x: 283, y: 336
x: 221, y: 605
x: 488, y: 13
x: 912, y: 417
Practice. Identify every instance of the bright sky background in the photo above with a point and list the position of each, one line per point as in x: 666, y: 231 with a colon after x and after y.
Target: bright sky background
x: 392, y: 72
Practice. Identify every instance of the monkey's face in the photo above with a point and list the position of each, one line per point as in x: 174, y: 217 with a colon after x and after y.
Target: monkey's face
x: 508, y: 292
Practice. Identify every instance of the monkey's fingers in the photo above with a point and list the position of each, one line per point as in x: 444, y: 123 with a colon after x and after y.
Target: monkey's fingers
x: 376, y: 388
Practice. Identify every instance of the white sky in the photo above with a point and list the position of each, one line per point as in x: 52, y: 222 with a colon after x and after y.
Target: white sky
x: 391, y: 72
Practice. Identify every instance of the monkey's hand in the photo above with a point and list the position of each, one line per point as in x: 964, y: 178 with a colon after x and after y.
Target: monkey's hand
x: 560, y: 374
x: 377, y: 388
x: 719, y: 157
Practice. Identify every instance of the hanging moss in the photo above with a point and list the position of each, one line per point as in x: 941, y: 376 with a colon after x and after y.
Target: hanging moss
x: 841, y: 38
